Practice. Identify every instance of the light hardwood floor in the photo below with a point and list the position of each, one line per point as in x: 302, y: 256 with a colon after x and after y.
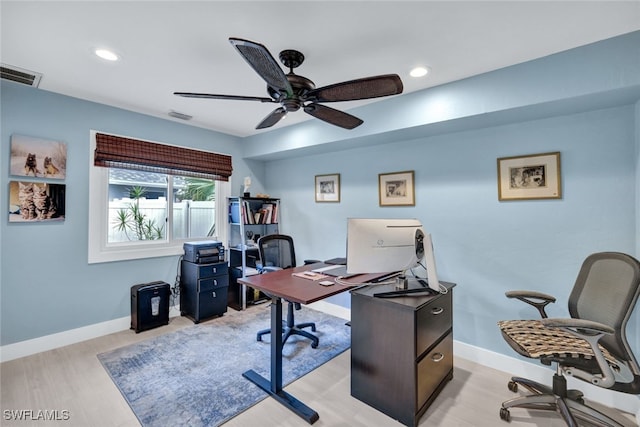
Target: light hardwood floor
x: 71, y: 378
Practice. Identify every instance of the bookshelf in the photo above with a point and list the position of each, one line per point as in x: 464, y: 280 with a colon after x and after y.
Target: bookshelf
x: 249, y: 219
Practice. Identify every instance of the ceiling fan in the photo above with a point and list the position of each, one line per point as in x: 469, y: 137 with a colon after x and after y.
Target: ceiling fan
x: 294, y: 92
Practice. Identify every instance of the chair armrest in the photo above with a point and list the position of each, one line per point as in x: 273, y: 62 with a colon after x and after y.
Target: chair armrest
x: 535, y: 299
x: 580, y: 324
x: 591, y: 332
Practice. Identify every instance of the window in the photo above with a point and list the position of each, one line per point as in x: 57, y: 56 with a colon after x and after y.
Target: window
x: 138, y: 212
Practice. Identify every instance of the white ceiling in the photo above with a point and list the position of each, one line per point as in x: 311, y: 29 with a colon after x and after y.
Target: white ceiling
x: 169, y: 46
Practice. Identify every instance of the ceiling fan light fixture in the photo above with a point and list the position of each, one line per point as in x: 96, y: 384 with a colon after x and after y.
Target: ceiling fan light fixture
x: 106, y: 54
x: 419, y: 72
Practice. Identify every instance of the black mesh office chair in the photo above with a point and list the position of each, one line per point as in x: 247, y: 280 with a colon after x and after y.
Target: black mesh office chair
x: 591, y: 345
x: 277, y: 252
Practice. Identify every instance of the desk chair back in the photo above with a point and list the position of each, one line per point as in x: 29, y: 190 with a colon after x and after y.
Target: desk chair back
x: 276, y: 251
x: 606, y: 291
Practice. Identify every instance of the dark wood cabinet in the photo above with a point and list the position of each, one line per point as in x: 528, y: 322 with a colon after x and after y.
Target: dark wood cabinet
x: 203, y: 290
x: 401, y: 350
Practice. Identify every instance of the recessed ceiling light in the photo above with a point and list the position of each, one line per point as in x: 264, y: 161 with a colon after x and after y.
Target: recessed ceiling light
x: 419, y: 72
x: 106, y: 54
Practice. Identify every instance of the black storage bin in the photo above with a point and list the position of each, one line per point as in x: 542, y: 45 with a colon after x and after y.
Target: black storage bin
x: 149, y: 305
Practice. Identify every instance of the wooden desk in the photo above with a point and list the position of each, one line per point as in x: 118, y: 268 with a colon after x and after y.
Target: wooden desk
x: 281, y: 285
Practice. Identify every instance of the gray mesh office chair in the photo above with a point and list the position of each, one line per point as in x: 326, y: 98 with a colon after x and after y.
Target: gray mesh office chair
x: 591, y: 345
x: 277, y: 252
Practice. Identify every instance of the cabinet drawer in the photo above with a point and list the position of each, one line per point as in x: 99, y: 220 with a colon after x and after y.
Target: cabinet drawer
x: 432, y: 321
x: 433, y: 368
x: 209, y: 270
x: 213, y: 283
x: 212, y: 303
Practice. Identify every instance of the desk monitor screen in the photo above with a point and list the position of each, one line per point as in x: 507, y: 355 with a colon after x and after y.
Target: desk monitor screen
x: 388, y: 245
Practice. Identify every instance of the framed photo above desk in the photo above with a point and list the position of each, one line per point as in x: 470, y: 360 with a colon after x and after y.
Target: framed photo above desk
x: 534, y: 176
x: 396, y: 189
x: 328, y: 188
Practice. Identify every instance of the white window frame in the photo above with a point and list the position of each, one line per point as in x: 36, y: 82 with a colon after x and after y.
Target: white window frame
x: 100, y: 250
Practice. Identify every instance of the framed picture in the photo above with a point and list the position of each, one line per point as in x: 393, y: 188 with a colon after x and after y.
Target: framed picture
x: 36, y: 201
x: 534, y: 176
x: 328, y: 188
x: 396, y: 189
x: 40, y: 158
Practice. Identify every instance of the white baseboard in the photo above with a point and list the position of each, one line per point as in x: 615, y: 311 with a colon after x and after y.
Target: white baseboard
x: 332, y: 309
x: 516, y: 367
x: 72, y: 336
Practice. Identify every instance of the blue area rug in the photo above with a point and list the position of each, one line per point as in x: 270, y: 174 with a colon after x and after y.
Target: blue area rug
x: 193, y: 377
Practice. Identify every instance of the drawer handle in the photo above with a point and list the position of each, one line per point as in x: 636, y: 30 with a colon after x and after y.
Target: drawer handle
x: 215, y: 282
x: 437, y: 310
x: 213, y: 294
x: 437, y: 357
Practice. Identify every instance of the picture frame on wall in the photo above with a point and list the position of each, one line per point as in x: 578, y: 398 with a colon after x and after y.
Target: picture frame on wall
x: 529, y: 177
x: 31, y: 201
x: 327, y: 188
x: 37, y: 157
x: 396, y: 189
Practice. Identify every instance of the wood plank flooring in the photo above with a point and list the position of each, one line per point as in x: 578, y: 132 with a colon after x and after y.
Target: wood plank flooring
x: 72, y: 379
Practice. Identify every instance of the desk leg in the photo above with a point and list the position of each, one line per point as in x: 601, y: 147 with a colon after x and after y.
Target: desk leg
x: 276, y: 344
x: 274, y: 387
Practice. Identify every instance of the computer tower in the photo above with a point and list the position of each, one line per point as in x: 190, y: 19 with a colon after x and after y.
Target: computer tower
x: 149, y: 305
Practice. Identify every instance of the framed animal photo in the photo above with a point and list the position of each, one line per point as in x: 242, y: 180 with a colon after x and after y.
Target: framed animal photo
x: 39, y: 158
x: 31, y: 201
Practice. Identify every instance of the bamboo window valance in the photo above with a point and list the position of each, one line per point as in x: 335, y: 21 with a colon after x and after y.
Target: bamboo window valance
x: 126, y: 153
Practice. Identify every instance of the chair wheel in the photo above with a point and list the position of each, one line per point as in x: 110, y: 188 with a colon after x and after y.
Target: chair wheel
x: 512, y: 386
x: 505, y: 415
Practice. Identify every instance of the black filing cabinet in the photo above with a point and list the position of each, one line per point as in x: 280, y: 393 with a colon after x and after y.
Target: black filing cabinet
x: 203, y: 290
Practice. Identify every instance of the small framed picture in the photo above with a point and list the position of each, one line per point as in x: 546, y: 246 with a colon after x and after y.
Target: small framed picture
x: 529, y: 177
x: 396, y: 189
x: 328, y: 188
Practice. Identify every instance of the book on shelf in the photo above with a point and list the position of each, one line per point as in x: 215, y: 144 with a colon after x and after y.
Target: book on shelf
x: 251, y: 214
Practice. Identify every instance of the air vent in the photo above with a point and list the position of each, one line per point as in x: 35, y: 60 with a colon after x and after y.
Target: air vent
x: 20, y: 75
x: 180, y: 116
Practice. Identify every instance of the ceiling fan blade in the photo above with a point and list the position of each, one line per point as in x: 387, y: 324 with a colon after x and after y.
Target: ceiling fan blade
x: 365, y: 88
x: 274, y: 117
x: 332, y: 116
x: 214, y: 96
x: 263, y: 63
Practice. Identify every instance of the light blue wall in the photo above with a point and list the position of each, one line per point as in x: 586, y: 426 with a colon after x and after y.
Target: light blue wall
x: 47, y: 286
x: 485, y: 246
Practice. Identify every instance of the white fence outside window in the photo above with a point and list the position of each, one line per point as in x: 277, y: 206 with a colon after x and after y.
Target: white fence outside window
x: 190, y: 219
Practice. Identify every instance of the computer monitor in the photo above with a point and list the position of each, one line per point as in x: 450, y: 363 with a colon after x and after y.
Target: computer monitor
x: 389, y: 245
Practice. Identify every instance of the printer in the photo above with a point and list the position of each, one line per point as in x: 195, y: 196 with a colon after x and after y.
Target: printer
x: 204, y: 252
